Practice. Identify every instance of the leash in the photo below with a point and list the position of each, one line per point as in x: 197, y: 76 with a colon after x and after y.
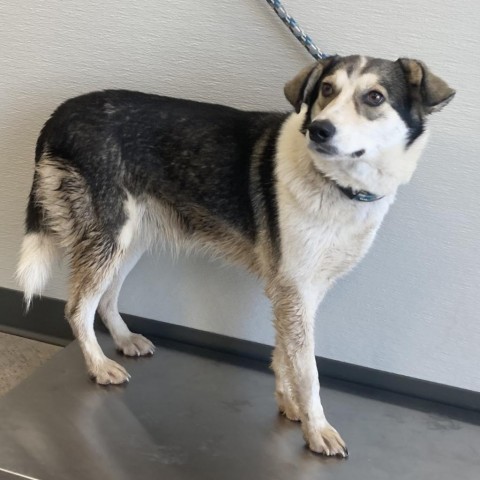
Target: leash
x: 297, y: 31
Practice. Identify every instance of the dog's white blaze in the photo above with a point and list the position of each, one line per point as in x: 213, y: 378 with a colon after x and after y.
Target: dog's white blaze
x: 37, y: 255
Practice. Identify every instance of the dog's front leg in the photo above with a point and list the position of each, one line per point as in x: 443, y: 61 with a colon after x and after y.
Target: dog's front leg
x: 294, y: 323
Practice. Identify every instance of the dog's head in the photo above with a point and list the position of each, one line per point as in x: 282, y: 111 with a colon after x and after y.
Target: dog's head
x: 363, y: 108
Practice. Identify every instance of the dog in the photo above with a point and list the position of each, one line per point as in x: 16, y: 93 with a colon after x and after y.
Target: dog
x: 295, y: 197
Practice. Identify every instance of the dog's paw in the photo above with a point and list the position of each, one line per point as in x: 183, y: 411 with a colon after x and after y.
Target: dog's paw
x: 109, y: 372
x: 325, y: 440
x: 135, y: 345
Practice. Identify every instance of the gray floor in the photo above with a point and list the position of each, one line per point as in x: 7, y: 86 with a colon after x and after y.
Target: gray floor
x: 192, y: 414
x: 19, y: 357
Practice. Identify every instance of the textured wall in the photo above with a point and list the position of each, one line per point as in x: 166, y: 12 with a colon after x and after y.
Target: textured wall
x: 412, y: 306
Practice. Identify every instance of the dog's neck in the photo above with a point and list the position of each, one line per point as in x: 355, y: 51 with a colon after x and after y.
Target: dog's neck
x: 380, y: 177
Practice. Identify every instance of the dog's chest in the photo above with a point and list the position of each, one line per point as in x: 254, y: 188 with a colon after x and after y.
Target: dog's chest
x: 321, y: 247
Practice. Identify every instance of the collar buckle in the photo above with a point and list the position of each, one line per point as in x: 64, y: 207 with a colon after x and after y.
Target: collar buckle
x: 360, y: 195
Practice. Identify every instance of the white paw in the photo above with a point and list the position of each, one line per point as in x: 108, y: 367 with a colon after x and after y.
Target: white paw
x: 287, y: 407
x: 108, y: 372
x: 325, y: 440
x: 135, y: 345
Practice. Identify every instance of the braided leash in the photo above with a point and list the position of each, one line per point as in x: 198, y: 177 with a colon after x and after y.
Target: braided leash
x: 298, y: 32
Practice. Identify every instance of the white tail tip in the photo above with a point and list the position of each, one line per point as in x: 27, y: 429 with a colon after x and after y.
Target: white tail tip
x: 36, y: 258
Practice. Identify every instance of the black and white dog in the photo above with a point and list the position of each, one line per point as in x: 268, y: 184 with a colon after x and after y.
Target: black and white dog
x: 297, y: 198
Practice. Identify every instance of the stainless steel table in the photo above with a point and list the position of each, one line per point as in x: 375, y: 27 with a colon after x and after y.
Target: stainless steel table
x: 193, y: 414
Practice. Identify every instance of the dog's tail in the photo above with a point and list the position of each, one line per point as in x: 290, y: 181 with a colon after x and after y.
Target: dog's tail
x: 38, y: 250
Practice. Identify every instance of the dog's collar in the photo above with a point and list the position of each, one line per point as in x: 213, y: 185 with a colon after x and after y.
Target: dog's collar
x: 360, y: 195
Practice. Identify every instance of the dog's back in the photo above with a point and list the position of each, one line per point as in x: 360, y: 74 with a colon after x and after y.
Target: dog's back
x: 182, y: 152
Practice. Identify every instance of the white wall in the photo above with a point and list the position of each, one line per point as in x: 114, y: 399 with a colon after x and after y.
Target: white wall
x: 413, y: 305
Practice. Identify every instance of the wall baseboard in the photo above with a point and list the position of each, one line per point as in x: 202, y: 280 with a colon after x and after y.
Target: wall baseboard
x: 45, y: 322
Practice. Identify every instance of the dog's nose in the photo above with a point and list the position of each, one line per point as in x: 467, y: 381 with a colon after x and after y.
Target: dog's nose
x: 321, y: 131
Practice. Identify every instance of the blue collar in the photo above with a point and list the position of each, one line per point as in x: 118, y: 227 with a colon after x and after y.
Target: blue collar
x: 359, y: 196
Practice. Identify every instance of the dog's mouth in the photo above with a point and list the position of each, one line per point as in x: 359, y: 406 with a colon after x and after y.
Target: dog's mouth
x: 324, y: 149
x: 358, y: 153
x: 329, y: 150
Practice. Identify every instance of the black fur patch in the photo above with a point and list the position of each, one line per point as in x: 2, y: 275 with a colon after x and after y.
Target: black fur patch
x: 394, y: 80
x: 34, y: 217
x: 267, y: 183
x: 188, y: 154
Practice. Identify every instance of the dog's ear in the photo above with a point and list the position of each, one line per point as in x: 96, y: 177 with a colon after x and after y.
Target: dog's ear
x: 426, y: 88
x: 299, y: 89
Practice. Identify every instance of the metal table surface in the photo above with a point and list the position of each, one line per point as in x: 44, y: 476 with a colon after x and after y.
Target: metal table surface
x: 193, y: 414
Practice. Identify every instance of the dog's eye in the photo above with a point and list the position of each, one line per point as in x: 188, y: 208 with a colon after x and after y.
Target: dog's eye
x: 327, y: 89
x: 374, y: 98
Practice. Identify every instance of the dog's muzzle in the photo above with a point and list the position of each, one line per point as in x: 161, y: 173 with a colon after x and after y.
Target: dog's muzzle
x: 321, y: 132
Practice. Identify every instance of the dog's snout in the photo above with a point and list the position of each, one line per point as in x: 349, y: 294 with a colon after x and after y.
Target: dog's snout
x: 321, y: 131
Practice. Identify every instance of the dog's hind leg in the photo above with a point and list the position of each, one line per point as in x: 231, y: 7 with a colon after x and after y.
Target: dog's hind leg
x: 130, y: 344
x: 94, y: 265
x: 97, y: 228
